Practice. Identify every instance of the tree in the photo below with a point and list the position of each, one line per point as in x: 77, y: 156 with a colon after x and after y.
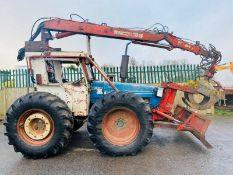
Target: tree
x: 174, y: 62
x: 73, y: 67
x: 133, y: 61
x: 107, y: 65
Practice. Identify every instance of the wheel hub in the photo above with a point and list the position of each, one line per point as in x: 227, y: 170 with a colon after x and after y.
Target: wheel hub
x: 120, y: 123
x: 37, y: 126
x: 120, y: 126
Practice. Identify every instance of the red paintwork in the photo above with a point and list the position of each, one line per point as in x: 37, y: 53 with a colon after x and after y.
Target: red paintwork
x: 167, y: 101
x: 85, y: 69
x: 181, y: 119
x: 179, y: 87
x: 68, y: 27
x: 38, y: 79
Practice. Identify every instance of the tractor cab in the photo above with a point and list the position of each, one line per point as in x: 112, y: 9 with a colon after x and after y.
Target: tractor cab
x: 48, y: 76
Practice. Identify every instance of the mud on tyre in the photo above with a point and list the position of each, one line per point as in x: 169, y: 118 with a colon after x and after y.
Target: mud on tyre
x: 120, y: 124
x: 39, y: 125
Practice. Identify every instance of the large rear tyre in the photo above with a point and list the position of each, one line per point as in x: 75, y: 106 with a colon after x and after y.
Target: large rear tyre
x: 120, y: 124
x: 39, y: 125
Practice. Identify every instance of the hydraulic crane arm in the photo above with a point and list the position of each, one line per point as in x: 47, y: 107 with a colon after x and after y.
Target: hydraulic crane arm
x: 68, y: 28
x: 154, y: 38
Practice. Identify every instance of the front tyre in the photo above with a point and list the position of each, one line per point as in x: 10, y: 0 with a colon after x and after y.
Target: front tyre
x: 120, y: 124
x: 39, y: 125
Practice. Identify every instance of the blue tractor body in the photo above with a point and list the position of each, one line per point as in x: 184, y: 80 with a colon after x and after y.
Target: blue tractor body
x: 147, y: 92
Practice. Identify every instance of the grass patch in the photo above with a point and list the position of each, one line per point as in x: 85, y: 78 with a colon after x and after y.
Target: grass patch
x: 223, y: 113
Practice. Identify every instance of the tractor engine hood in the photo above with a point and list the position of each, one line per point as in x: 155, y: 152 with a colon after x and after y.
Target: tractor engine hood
x: 148, y: 92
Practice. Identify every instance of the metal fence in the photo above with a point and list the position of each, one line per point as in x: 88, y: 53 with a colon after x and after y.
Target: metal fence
x: 136, y: 74
x: 15, y: 78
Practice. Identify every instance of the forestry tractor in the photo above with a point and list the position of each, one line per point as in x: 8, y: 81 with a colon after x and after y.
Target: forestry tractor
x: 120, y: 116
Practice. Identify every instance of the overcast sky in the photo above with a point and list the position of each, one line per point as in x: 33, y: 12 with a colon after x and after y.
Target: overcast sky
x: 209, y: 21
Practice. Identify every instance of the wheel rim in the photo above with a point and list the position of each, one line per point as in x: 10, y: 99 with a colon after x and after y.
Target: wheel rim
x: 35, y: 127
x: 120, y: 126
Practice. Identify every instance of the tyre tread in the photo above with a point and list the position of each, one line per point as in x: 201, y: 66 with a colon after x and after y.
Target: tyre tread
x: 54, y: 103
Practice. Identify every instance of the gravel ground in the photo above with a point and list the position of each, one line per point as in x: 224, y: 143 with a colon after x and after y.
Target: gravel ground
x: 170, y: 152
